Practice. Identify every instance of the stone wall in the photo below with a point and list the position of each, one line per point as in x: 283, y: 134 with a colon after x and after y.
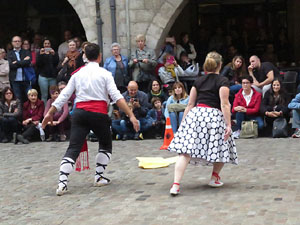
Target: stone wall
x: 153, y: 18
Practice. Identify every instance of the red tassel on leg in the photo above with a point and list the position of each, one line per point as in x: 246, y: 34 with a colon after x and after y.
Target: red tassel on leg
x: 84, y: 157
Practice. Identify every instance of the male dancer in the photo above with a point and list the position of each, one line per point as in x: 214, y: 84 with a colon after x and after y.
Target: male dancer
x: 92, y: 85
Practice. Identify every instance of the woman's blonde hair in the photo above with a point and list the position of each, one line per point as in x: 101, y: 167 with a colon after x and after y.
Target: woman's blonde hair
x: 212, y: 62
x: 183, y: 94
x: 32, y: 92
x: 140, y: 37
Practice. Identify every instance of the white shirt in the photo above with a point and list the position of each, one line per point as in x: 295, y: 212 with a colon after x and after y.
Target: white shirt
x: 62, y: 50
x: 91, y: 82
x: 247, y: 97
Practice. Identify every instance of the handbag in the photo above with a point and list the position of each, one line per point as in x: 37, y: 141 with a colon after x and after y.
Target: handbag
x: 62, y: 74
x: 29, y: 74
x: 280, y: 128
x: 176, y: 107
x: 249, y: 129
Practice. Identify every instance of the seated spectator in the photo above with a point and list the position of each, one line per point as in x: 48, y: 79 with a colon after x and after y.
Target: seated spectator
x: 33, y: 110
x: 274, y: 104
x: 186, y: 46
x: 47, y: 61
x: 72, y: 61
x: 61, y: 85
x: 57, y: 128
x: 139, y: 101
x: 4, y: 70
x: 170, y: 72
x: 156, y: 91
x: 117, y: 64
x: 189, y: 68
x: 294, y: 105
x: 246, y: 105
x: 143, y: 63
x: 262, y: 73
x: 10, y: 114
x: 156, y: 117
x: 176, y: 104
x: 234, y: 71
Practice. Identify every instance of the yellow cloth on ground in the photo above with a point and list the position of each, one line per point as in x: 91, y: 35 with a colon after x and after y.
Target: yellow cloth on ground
x: 155, y: 162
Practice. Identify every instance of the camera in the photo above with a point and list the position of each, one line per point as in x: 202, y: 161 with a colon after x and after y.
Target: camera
x: 48, y: 49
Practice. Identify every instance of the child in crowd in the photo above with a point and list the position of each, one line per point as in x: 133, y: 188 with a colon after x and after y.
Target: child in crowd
x: 156, y: 117
x: 59, y: 118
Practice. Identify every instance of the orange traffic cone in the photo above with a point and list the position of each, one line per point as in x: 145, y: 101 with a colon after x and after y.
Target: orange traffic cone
x: 168, y: 135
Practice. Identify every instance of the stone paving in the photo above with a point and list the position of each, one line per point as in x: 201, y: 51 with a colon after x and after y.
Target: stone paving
x: 263, y: 189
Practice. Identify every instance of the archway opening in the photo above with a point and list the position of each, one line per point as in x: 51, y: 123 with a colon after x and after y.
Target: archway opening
x: 49, y: 18
x: 249, y: 26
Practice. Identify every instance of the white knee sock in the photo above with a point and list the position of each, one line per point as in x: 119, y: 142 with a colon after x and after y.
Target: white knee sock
x: 102, y: 159
x: 66, y: 167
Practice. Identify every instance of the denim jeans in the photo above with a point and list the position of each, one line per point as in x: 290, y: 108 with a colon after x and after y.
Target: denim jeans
x: 20, y: 89
x: 45, y: 83
x: 241, y: 116
x: 235, y: 88
x: 175, y: 120
x: 296, y: 118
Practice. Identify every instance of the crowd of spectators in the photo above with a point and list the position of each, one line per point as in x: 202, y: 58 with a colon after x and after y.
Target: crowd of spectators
x: 152, y: 86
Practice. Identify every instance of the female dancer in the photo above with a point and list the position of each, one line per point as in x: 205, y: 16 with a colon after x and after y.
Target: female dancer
x: 205, y: 131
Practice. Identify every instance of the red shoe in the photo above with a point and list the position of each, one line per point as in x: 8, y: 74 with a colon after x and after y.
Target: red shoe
x: 217, y: 182
x: 175, y: 190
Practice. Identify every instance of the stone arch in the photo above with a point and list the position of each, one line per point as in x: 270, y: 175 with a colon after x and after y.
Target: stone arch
x: 163, y: 21
x: 85, y: 10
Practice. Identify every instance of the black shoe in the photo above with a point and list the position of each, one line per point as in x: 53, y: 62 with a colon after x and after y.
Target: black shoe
x: 136, y: 136
x: 15, y: 139
x: 22, y: 139
x: 124, y: 137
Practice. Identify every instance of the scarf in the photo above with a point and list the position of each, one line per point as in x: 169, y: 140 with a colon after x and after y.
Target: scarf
x: 72, y: 56
x: 171, y: 69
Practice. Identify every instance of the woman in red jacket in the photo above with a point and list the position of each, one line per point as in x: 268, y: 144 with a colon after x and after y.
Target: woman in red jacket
x: 33, y: 110
x: 246, y: 105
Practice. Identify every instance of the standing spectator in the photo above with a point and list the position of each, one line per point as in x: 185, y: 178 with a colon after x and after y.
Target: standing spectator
x: 185, y: 46
x: 234, y: 71
x: 294, y: 105
x: 269, y: 54
x: 33, y: 110
x: 4, y: 70
x: 262, y: 73
x: 117, y: 64
x: 78, y: 42
x: 59, y: 117
x: 64, y: 47
x: 246, y: 105
x: 10, y: 114
x: 156, y: 117
x: 72, y: 61
x: 142, y: 62
x: 275, y: 104
x: 47, y: 61
x: 176, y: 105
x: 18, y: 59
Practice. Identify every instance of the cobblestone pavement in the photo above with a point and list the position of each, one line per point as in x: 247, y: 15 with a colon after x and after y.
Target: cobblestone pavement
x: 263, y: 189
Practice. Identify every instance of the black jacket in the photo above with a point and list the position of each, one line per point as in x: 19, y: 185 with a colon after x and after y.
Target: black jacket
x: 11, y: 57
x: 47, y: 65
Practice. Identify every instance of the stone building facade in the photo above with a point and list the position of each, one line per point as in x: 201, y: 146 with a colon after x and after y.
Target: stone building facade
x: 153, y: 18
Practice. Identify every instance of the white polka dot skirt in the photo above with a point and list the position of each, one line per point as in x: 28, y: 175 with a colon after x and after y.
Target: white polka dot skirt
x: 201, y: 135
